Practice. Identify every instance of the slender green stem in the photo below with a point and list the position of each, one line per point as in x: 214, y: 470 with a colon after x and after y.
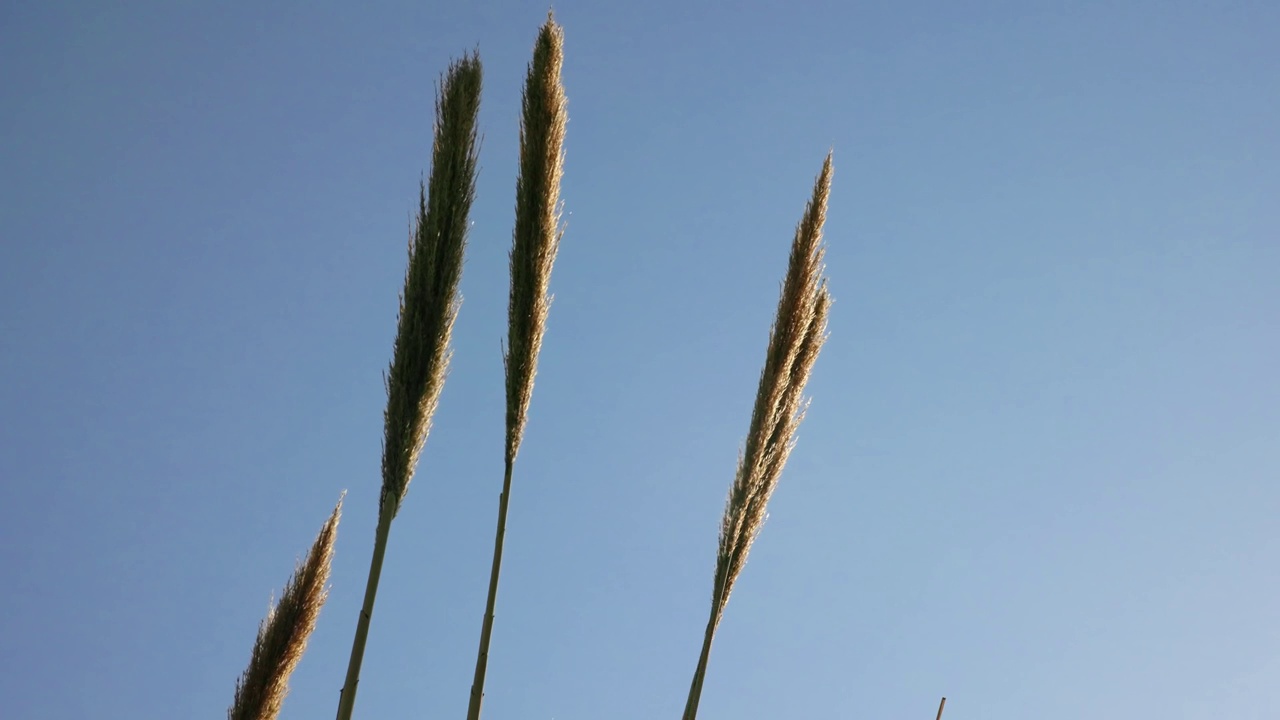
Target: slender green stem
x: 482, y: 658
x: 348, y: 700
x: 695, y: 688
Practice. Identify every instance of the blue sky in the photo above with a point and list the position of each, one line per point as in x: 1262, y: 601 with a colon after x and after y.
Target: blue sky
x: 1038, y: 475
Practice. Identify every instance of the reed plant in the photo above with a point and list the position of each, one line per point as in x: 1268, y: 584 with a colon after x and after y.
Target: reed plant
x: 534, y: 245
x: 429, y: 306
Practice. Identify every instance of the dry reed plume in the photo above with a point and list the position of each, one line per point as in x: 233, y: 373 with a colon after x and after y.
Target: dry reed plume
x: 282, y: 635
x: 428, y: 308
x: 535, y: 241
x: 798, y: 333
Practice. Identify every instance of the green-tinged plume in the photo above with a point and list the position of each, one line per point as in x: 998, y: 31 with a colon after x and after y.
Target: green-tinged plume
x: 428, y: 308
x: 430, y: 301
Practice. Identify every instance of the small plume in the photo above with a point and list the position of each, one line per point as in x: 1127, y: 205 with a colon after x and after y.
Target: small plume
x: 282, y: 636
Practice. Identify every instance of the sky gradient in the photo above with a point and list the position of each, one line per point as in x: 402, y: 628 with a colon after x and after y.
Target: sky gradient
x: 1039, y: 473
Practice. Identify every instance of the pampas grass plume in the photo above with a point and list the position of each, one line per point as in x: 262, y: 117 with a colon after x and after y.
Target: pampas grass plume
x: 282, y: 635
x: 798, y: 332
x: 534, y: 245
x: 428, y: 309
x: 430, y: 301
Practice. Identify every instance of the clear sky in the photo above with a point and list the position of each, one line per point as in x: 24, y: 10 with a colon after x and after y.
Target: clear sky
x: 1039, y: 475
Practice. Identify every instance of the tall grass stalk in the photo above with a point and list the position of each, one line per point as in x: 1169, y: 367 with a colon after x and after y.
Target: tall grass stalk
x: 798, y: 333
x: 428, y: 308
x: 282, y: 635
x: 535, y: 242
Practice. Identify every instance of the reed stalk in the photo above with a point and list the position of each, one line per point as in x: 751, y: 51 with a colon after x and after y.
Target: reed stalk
x: 282, y: 635
x: 428, y: 308
x: 798, y: 333
x: 535, y: 242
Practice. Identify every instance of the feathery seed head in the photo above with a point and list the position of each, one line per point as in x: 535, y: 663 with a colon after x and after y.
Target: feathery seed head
x: 797, y: 335
x: 535, y: 241
x: 429, y: 303
x: 799, y: 330
x: 282, y: 636
x: 536, y: 238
